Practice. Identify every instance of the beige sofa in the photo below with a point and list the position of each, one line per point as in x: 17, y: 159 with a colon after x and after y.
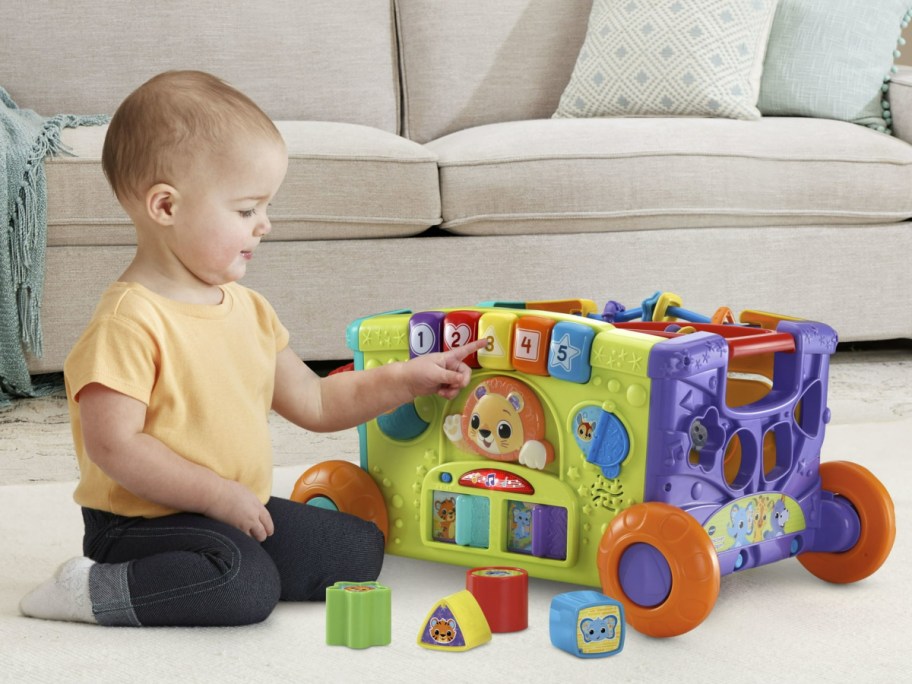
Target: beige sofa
x: 425, y: 169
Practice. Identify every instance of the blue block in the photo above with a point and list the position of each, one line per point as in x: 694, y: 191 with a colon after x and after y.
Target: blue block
x: 587, y: 624
x: 568, y: 355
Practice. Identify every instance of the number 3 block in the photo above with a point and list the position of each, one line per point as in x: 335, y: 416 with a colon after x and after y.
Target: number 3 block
x: 531, y: 340
x: 497, y: 327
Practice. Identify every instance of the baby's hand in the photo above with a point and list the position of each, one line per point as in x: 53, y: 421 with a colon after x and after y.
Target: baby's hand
x: 443, y: 373
x: 239, y: 507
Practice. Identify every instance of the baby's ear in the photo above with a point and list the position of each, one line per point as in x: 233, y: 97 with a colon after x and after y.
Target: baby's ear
x: 160, y: 201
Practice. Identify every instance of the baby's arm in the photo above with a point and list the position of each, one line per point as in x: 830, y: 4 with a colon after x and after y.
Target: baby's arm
x: 112, y: 427
x: 344, y: 400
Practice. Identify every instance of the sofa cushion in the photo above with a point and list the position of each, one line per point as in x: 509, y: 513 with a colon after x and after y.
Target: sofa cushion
x: 585, y: 175
x: 475, y: 62
x: 343, y: 181
x: 830, y: 58
x: 670, y: 59
x: 323, y: 59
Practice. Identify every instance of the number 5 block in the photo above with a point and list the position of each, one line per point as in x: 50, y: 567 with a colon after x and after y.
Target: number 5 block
x: 531, y: 340
x: 568, y: 356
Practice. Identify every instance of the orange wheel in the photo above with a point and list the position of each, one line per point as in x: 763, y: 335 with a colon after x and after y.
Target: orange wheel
x: 349, y: 488
x: 661, y: 564
x: 874, y: 507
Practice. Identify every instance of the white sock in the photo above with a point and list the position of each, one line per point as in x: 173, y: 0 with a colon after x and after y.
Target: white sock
x: 63, y: 597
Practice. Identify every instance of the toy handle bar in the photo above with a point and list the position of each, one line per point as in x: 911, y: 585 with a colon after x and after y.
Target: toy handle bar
x: 742, y: 341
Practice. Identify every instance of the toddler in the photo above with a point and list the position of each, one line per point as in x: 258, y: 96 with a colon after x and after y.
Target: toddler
x: 170, y: 386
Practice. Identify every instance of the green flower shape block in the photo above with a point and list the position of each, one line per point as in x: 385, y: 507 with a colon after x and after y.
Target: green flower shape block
x: 358, y: 615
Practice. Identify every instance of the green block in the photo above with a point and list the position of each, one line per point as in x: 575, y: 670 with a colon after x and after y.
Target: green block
x: 358, y: 615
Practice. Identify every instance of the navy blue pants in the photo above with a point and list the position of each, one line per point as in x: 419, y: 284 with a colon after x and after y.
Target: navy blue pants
x: 189, y: 570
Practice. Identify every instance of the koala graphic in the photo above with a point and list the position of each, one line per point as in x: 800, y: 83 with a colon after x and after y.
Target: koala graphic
x: 502, y: 420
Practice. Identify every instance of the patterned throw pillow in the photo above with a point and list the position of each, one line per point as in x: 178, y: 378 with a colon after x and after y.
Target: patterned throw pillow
x: 832, y: 59
x: 670, y: 58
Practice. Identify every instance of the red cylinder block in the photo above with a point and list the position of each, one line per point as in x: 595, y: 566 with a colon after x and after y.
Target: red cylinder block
x: 503, y: 594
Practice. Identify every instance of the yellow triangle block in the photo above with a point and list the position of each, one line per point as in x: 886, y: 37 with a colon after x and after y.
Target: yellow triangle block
x: 455, y: 623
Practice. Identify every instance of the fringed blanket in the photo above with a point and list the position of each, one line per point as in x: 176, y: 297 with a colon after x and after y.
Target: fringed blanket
x: 26, y: 138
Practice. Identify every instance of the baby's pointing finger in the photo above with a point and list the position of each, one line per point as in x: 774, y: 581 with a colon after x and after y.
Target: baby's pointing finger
x: 459, y: 353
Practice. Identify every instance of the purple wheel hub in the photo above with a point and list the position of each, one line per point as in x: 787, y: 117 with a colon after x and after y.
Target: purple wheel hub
x: 645, y: 575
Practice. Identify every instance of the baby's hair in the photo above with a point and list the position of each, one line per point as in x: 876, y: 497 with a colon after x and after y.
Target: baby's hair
x: 168, y: 122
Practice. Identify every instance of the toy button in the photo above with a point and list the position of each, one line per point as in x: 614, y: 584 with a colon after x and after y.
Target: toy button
x: 531, y: 340
x: 610, y: 445
x: 568, y: 357
x: 497, y: 327
x: 425, y: 333
x: 460, y: 328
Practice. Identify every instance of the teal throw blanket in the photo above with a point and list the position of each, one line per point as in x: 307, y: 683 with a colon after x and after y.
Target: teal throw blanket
x: 26, y: 138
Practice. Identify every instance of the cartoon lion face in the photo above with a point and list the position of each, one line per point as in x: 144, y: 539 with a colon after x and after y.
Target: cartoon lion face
x: 502, y: 420
x: 495, y: 426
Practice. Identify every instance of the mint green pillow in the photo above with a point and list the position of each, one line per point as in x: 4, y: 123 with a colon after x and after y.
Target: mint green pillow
x: 832, y: 59
x: 670, y: 58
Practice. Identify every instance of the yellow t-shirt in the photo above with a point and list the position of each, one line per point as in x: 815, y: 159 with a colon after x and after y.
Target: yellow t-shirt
x: 206, y: 374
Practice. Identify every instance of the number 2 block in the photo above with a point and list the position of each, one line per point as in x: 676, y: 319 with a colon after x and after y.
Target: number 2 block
x: 460, y: 328
x: 531, y: 340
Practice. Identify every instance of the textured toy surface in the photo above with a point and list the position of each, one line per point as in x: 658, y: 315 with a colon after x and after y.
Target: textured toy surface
x: 495, y: 467
x: 608, y: 449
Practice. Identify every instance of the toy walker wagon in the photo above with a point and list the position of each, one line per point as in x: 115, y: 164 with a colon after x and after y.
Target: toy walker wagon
x: 647, y: 452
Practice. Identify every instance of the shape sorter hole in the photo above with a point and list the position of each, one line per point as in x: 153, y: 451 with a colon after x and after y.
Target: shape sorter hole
x: 777, y: 451
x: 739, y: 460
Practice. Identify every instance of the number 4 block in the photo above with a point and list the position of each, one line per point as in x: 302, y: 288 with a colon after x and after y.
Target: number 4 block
x: 531, y: 340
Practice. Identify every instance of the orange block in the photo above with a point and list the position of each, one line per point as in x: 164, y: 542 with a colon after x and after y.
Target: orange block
x: 531, y: 340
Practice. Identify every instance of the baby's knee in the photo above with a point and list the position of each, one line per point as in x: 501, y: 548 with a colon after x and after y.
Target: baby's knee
x: 368, y: 552
x: 255, y: 591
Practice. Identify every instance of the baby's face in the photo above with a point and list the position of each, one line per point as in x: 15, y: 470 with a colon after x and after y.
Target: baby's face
x: 222, y: 213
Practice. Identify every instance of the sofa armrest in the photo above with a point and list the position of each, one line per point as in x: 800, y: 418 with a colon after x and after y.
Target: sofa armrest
x: 901, y: 103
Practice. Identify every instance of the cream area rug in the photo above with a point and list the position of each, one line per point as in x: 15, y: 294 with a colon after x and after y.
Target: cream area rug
x: 774, y: 623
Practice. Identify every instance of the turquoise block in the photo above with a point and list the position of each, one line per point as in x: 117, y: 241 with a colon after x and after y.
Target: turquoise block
x: 473, y: 514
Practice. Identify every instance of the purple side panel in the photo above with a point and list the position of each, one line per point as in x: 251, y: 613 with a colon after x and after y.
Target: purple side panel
x: 691, y: 425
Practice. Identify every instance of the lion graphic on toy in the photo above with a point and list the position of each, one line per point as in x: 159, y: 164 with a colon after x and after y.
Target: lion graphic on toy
x: 502, y: 420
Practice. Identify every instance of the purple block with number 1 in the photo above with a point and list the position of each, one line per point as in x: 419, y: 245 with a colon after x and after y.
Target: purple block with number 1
x: 425, y: 333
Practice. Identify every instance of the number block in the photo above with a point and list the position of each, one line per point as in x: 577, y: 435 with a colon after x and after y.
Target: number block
x: 497, y: 327
x: 568, y: 356
x: 460, y: 328
x: 531, y: 341
x: 425, y: 333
